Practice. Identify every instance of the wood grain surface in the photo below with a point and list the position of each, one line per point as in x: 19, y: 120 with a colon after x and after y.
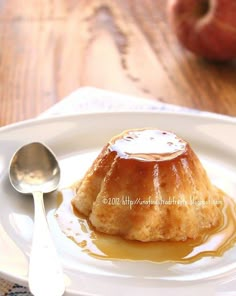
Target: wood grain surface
x: 48, y: 48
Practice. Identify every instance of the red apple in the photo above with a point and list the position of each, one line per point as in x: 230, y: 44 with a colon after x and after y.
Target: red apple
x: 205, y: 27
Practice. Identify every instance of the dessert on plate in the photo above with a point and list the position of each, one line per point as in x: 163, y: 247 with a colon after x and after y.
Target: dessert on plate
x: 148, y: 185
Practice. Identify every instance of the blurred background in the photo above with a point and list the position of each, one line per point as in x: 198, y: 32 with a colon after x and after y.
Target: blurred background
x: 49, y: 48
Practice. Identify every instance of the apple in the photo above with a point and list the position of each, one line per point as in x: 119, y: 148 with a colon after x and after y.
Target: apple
x: 205, y: 27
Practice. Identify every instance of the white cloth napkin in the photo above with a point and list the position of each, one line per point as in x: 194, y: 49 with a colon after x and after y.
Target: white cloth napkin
x: 88, y: 99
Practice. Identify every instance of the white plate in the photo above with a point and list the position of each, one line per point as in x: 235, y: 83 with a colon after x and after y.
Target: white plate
x: 76, y: 140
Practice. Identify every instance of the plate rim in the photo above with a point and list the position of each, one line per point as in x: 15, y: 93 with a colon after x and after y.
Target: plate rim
x: 195, y: 115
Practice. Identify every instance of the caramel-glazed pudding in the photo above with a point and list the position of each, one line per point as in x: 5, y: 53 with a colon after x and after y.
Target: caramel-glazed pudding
x: 148, y: 185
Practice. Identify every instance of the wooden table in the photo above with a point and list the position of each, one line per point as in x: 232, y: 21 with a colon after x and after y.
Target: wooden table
x: 50, y: 48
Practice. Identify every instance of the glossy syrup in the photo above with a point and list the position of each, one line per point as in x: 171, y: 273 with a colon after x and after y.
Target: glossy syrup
x: 212, y: 243
x: 148, y: 145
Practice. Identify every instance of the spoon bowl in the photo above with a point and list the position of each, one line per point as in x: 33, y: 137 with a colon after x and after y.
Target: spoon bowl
x: 34, y: 169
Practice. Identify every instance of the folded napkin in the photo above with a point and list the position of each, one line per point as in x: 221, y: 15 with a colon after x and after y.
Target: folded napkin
x: 90, y: 99
x: 86, y: 100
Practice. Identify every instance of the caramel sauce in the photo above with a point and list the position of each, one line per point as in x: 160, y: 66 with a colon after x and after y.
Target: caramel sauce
x: 213, y: 242
x: 148, y: 145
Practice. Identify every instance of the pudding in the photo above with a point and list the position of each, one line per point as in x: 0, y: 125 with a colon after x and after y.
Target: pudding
x: 149, y: 185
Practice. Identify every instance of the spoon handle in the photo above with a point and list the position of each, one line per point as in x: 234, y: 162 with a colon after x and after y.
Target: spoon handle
x: 45, y: 272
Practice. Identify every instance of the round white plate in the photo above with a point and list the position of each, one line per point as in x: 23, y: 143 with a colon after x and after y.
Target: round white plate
x: 76, y: 140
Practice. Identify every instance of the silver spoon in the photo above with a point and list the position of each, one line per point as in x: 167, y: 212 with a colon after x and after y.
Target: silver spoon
x: 34, y: 169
